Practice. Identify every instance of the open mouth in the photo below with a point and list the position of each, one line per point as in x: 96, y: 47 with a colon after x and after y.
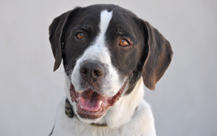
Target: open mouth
x: 92, y: 105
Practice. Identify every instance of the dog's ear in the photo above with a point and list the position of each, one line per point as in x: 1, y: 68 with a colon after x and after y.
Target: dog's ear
x: 159, y: 55
x: 56, y: 32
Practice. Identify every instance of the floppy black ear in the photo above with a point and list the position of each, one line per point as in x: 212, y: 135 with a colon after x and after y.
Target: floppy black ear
x: 56, y: 32
x: 159, y: 56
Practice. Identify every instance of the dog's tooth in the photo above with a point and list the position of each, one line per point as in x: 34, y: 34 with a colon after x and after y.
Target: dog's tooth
x: 79, y: 101
x: 100, y: 103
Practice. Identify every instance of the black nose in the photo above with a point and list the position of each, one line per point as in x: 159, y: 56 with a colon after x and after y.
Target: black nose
x: 92, y: 71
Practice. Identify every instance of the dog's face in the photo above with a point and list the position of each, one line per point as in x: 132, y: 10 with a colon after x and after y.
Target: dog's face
x: 105, y: 50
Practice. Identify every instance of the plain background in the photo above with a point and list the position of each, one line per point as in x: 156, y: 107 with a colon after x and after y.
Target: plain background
x: 184, y: 102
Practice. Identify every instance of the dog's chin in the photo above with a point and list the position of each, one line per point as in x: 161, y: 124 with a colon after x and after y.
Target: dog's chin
x: 91, y: 105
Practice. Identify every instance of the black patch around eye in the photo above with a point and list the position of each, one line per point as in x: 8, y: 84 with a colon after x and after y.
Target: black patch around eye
x: 74, y: 47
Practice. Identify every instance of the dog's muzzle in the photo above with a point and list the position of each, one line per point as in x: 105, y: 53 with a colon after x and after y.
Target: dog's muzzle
x: 91, y: 99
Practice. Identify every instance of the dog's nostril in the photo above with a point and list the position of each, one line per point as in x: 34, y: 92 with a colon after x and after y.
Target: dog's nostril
x: 97, y: 73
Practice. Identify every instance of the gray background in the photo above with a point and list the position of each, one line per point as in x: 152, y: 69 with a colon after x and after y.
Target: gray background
x: 184, y: 102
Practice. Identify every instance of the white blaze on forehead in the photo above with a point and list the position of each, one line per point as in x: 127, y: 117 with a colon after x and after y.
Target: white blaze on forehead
x: 105, y: 18
x: 99, y: 50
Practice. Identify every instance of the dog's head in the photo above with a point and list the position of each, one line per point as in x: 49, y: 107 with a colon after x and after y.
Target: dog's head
x: 105, y: 50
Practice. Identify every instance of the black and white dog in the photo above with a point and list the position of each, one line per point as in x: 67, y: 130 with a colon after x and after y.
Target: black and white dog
x: 108, y: 53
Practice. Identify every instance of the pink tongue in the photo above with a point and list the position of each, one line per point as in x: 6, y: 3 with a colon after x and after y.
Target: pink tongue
x: 90, y: 104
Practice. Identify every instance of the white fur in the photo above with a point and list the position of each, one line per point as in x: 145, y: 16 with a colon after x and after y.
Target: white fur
x: 122, y: 119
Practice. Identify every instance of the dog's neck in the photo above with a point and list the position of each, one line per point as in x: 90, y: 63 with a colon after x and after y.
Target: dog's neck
x: 124, y: 108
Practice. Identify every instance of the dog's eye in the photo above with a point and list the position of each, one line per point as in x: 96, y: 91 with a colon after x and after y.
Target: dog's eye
x: 80, y: 35
x: 124, y: 42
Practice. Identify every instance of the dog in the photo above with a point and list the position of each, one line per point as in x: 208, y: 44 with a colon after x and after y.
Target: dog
x: 108, y: 55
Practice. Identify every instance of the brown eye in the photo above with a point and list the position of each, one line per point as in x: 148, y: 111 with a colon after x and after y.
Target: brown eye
x: 124, y: 42
x: 80, y: 35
